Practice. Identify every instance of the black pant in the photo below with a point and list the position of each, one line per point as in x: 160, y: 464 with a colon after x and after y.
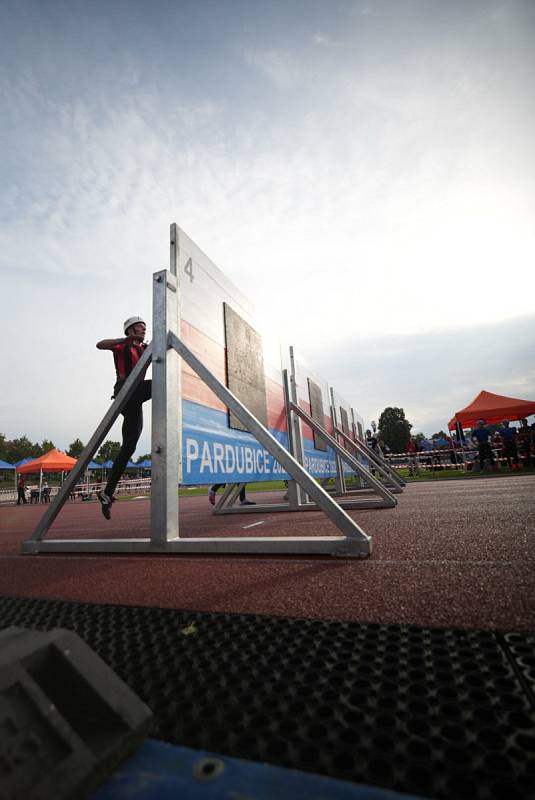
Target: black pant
x: 511, y: 453
x: 21, y: 496
x: 217, y: 486
x: 132, y: 427
x: 485, y: 451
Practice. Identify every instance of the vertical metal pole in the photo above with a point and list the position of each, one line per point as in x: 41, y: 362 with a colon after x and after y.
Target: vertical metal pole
x: 175, y: 327
x: 339, y: 482
x: 296, y: 494
x: 165, y: 412
x: 292, y: 495
x: 173, y: 248
x: 356, y: 438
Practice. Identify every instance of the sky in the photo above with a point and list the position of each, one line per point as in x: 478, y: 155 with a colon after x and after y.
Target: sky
x: 363, y: 170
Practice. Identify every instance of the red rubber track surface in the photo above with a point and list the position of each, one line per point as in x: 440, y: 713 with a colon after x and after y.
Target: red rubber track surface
x: 453, y: 553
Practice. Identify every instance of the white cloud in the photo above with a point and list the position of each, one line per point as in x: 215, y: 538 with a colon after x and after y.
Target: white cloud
x: 324, y: 40
x: 282, y: 68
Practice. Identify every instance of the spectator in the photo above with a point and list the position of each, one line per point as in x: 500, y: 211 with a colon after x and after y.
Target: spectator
x: 481, y: 437
x: 45, y: 492
x: 412, y: 451
x: 510, y: 451
x: 524, y: 436
x: 371, y: 442
x: 21, y: 491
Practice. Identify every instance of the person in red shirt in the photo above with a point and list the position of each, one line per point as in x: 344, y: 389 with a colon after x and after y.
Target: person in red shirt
x: 412, y: 451
x: 126, y: 354
x: 21, y: 491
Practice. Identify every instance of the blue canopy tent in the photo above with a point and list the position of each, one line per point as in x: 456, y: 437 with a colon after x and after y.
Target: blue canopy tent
x: 23, y: 461
x: 6, y: 465
x: 94, y: 465
x: 147, y: 464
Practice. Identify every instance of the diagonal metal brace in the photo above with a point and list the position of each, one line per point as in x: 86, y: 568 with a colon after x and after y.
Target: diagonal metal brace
x: 384, y: 468
x: 345, y: 456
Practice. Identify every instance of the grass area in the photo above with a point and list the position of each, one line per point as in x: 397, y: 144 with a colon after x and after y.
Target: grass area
x: 437, y: 475
x: 267, y: 486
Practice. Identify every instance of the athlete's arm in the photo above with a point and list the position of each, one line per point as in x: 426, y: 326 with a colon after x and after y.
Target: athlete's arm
x: 109, y: 344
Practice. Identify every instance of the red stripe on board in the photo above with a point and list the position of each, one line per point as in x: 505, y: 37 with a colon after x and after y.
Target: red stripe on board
x: 307, y: 431
x: 212, y: 355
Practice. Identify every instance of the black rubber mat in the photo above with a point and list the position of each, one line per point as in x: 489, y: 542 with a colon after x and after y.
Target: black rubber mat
x: 444, y: 713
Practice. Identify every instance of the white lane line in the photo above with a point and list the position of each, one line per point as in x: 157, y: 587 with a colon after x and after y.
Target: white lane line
x: 253, y: 524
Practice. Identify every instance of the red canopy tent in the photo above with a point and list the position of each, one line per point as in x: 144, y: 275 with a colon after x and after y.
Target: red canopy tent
x: 492, y: 408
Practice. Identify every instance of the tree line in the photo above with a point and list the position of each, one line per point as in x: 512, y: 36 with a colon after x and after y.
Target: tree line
x: 13, y: 450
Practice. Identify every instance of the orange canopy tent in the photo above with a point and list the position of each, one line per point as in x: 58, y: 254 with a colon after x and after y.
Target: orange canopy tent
x: 53, y: 461
x: 492, y: 408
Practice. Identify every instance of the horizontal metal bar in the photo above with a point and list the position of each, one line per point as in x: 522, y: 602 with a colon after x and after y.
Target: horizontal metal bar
x: 352, y: 505
x: 269, y: 545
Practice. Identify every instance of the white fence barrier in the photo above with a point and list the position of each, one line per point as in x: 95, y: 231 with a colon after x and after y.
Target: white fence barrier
x: 83, y: 491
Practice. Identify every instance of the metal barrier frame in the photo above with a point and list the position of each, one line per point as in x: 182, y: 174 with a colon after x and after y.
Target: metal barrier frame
x: 388, y: 499
x: 298, y: 500
x: 164, y: 351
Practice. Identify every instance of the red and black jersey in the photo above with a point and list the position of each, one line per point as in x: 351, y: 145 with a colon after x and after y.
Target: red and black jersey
x: 125, y: 356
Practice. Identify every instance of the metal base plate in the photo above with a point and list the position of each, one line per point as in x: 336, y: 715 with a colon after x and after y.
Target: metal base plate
x: 280, y: 545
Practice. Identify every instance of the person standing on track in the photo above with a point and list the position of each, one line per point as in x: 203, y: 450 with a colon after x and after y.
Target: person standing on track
x: 126, y: 354
x: 21, y: 491
x: 510, y: 450
x: 481, y: 436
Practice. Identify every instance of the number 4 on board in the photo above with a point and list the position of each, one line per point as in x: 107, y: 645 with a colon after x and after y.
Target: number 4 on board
x: 188, y: 269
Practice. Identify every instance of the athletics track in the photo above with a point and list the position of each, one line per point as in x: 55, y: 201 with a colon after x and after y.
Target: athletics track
x: 453, y: 553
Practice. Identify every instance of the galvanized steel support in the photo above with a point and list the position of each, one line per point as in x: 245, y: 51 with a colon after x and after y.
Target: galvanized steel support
x: 381, y: 466
x: 166, y: 411
x: 387, y: 496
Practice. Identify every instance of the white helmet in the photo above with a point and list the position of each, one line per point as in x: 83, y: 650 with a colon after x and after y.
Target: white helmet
x: 132, y: 321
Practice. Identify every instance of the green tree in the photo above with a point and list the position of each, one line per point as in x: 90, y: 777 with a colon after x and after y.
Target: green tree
x: 45, y: 446
x: 440, y: 435
x: 108, y: 451
x: 76, y: 448
x: 394, y: 429
x: 20, y: 448
x: 147, y: 457
x: 3, y: 447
